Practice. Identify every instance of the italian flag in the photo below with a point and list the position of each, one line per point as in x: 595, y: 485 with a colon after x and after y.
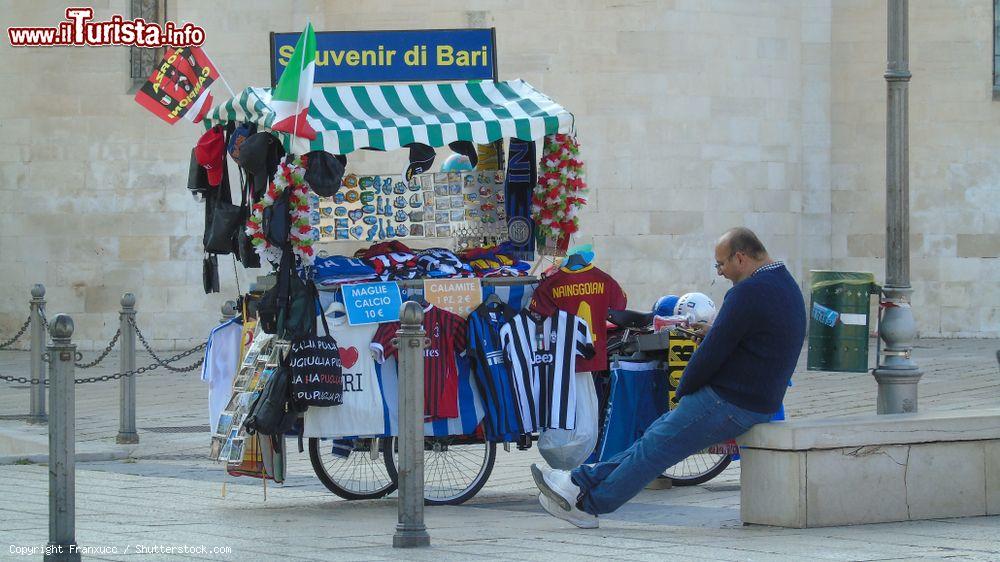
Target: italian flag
x: 290, y: 98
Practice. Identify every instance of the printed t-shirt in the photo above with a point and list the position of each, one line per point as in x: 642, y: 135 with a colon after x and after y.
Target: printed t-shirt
x: 222, y: 359
x: 446, y: 332
x: 588, y: 293
x: 360, y: 413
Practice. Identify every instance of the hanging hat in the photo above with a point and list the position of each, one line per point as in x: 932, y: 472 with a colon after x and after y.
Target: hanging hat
x: 324, y: 172
x: 421, y: 160
x: 260, y: 155
x: 240, y: 134
x: 467, y: 149
x: 210, y: 151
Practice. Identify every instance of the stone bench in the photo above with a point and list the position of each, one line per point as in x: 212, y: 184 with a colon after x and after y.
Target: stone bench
x: 871, y: 469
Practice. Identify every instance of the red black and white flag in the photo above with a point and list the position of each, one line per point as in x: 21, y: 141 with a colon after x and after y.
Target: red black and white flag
x: 179, y: 85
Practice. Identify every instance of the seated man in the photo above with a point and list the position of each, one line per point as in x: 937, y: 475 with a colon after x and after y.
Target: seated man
x: 736, y: 379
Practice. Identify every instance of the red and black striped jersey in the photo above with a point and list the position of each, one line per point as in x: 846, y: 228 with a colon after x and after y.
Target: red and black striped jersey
x: 447, y: 335
x: 392, y: 260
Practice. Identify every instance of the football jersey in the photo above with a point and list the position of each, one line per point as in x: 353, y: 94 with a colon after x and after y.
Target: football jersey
x: 541, y: 352
x: 488, y: 262
x: 489, y: 368
x: 392, y: 260
x: 439, y: 262
x: 447, y: 333
x: 361, y: 412
x: 333, y: 269
x: 588, y: 293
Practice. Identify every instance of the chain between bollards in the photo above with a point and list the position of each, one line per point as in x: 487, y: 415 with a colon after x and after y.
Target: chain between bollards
x: 17, y: 336
x: 411, y: 341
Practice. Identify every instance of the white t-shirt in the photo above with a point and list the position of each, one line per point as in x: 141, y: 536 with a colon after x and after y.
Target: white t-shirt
x: 222, y: 358
x: 361, y: 412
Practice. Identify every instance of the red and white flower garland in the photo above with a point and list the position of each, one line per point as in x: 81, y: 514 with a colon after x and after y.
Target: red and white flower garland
x: 561, y: 191
x: 302, y: 236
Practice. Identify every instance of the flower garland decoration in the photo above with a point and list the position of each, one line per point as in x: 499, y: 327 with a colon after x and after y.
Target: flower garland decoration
x: 560, y: 193
x: 290, y: 174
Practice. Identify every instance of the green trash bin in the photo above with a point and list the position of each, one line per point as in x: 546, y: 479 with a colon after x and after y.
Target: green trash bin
x: 839, y: 320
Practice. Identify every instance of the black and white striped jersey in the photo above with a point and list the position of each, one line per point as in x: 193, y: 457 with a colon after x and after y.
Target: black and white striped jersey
x: 542, y: 354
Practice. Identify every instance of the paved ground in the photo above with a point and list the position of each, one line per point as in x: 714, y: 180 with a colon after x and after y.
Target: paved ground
x: 167, y: 493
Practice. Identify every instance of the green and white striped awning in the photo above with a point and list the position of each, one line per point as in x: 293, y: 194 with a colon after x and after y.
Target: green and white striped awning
x: 387, y: 117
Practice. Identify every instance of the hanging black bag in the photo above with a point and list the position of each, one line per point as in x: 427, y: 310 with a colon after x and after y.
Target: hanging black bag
x: 274, y: 411
x: 220, y: 237
x: 315, y: 367
x: 245, y: 251
x: 220, y: 234
x: 210, y: 274
x: 289, y: 308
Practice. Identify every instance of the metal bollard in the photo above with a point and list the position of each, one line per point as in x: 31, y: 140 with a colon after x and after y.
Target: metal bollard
x: 410, y: 530
x: 62, y: 444
x: 228, y: 311
x: 37, y: 412
x: 126, y: 386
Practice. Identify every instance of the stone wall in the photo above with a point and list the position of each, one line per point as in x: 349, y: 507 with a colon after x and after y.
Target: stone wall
x: 693, y: 116
x: 954, y: 170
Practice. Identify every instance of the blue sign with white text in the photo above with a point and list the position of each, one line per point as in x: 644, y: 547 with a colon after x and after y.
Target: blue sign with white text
x: 372, y: 303
x: 426, y: 55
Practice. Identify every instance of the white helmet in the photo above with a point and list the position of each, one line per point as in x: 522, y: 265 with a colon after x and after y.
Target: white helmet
x: 697, y: 306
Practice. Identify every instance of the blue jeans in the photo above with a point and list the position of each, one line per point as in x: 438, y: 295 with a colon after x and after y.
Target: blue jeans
x: 699, y: 420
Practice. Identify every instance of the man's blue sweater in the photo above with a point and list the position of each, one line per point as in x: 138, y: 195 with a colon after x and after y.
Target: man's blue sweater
x: 750, y: 352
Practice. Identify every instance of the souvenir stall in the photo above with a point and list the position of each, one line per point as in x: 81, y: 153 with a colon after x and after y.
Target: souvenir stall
x: 477, y: 226
x: 511, y: 358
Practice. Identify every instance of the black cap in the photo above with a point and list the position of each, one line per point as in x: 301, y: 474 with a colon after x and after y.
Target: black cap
x: 467, y: 149
x: 260, y: 155
x: 421, y: 159
x: 324, y: 172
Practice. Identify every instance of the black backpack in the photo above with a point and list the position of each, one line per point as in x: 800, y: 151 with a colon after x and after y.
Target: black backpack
x: 274, y: 411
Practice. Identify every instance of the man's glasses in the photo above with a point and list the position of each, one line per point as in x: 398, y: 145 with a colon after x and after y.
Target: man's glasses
x: 719, y: 264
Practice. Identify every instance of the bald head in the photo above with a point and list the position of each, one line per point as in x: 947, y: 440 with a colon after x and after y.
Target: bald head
x: 739, y: 253
x: 742, y: 239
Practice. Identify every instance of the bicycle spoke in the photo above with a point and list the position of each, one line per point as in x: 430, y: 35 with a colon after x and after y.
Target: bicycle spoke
x: 358, y: 472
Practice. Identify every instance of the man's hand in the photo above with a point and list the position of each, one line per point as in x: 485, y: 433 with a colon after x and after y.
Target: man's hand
x: 701, y: 328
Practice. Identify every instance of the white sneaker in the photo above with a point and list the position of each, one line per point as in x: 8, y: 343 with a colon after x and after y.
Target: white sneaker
x: 557, y: 485
x: 579, y: 518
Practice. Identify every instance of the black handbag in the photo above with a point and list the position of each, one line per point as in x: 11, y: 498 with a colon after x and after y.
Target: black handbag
x: 316, y: 371
x: 220, y: 236
x: 274, y: 411
x: 245, y: 251
x: 210, y: 274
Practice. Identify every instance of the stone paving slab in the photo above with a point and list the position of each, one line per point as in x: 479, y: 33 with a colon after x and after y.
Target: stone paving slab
x: 170, y: 494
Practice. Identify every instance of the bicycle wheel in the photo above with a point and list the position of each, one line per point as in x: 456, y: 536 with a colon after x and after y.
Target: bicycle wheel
x: 698, y: 468
x: 361, y: 475
x: 455, y: 468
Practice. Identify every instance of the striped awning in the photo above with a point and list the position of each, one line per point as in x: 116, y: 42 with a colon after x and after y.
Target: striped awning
x: 388, y: 117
